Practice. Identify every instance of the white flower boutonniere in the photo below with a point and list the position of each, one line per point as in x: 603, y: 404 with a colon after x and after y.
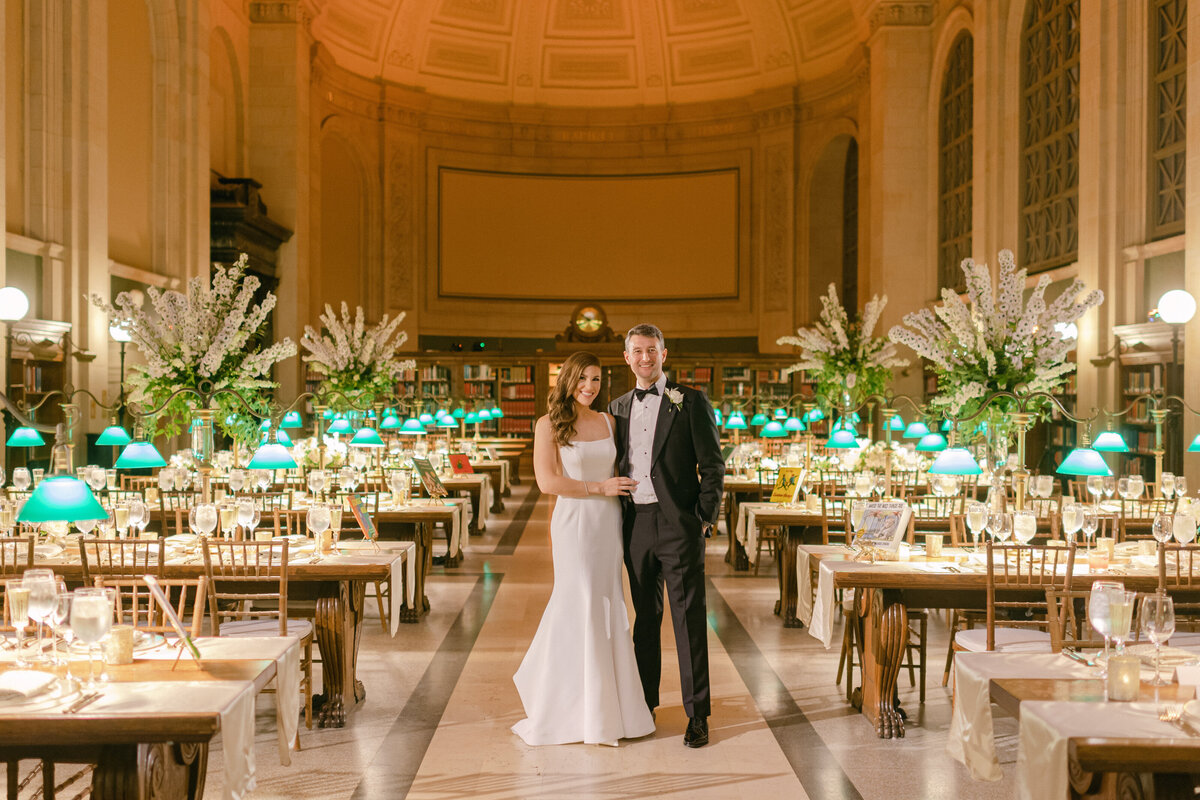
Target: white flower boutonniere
x: 676, y: 397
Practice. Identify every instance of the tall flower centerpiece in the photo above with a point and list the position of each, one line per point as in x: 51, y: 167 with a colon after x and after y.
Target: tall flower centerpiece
x: 206, y: 340
x: 995, y: 341
x: 841, y: 356
x: 357, y: 361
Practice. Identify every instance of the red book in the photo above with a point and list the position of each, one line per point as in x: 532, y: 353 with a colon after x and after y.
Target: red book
x: 460, y: 464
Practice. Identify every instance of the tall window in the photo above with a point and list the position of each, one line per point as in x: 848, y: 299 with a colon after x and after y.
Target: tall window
x: 955, y: 149
x: 1168, y: 116
x: 850, y: 231
x: 1050, y: 134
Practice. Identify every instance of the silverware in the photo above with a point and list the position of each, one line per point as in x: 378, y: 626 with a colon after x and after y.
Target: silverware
x: 1077, y: 656
x: 82, y: 703
x: 1174, y: 715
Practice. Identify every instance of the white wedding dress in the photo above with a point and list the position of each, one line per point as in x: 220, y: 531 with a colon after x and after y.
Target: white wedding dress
x: 579, y: 680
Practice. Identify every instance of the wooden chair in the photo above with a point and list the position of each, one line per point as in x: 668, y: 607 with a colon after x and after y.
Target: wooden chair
x: 1179, y: 576
x: 116, y: 558
x: 16, y: 554
x: 835, y: 518
x: 270, y: 501
x: 136, y: 606
x: 289, y: 522
x: 172, y: 500
x: 248, y: 596
x: 138, y: 483
x: 1067, y: 620
x: 121, y: 496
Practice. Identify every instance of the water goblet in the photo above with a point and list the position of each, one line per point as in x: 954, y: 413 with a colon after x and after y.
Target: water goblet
x: 206, y: 518
x: 263, y: 479
x: 1167, y: 485
x: 1123, y: 488
x: 1157, y: 622
x: 1137, y: 485
x: 1024, y: 525
x: 21, y: 479
x: 248, y: 517
x: 1183, y: 526
x: 1162, y: 527
x: 862, y: 484
x: 95, y: 478
x: 880, y: 485
x: 91, y: 620
x: 1095, y: 487
x: 237, y: 480
x: 42, y: 586
x: 1180, y: 486
x: 1091, y: 522
x: 1072, y: 520
x: 317, y: 519
x: 999, y: 525
x: 1098, y: 614
x: 1045, y: 484
x: 976, y: 520
x: 315, y: 481
x: 1110, y: 486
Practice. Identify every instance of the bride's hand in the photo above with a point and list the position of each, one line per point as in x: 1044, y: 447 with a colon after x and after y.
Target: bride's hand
x: 615, y: 487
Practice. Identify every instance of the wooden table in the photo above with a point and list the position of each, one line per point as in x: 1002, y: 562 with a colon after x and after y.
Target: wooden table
x: 1108, y: 767
x: 798, y: 526
x: 472, y: 486
x: 510, y: 450
x: 153, y: 753
x: 496, y: 471
x: 739, y: 490
x: 414, y: 523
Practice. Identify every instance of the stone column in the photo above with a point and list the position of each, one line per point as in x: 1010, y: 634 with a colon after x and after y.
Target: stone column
x: 894, y: 153
x: 279, y: 136
x: 1191, y: 346
x: 776, y: 252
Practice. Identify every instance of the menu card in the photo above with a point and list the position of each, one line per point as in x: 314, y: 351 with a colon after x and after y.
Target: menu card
x: 883, y: 526
x: 787, y: 485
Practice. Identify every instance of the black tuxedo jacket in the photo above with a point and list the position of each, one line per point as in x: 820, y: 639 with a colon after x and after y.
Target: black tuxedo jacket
x: 686, y: 467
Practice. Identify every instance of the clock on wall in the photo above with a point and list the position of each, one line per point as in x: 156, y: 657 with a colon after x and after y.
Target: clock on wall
x: 588, y: 323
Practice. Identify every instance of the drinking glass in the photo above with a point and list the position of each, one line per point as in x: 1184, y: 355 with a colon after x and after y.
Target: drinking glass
x: 335, y: 522
x: 1180, y: 486
x: 318, y: 518
x: 862, y: 484
x: 229, y: 517
x: 85, y: 525
x: 1184, y: 528
x: 1123, y: 489
x: 1045, y: 485
x: 1120, y: 611
x: 16, y: 597
x: 95, y: 478
x: 42, y: 586
x: 976, y: 520
x: 1168, y: 485
x: 206, y: 518
x: 1098, y: 613
x: 999, y: 525
x: 1162, y: 527
x: 1110, y: 486
x: 91, y: 620
x: 1024, y: 525
x: 315, y: 481
x: 62, y: 611
x: 110, y: 479
x: 1091, y: 522
x: 1072, y: 520
x: 21, y: 479
x: 1158, y: 624
x: 121, y: 519
x: 1095, y: 487
x: 263, y: 479
x: 237, y: 480
x: 857, y: 510
x: 1137, y: 485
x: 348, y: 478
x: 181, y: 477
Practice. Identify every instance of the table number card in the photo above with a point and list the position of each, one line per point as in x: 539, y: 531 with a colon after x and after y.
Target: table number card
x: 883, y: 526
x: 787, y: 485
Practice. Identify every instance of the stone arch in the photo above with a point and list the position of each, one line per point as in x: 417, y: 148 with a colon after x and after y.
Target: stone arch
x: 224, y: 60
x: 825, y: 195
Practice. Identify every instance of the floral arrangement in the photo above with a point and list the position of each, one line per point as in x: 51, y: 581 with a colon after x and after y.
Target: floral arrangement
x: 306, y: 452
x: 842, y: 356
x: 356, y: 361
x: 874, y: 457
x: 994, y: 342
x: 205, y: 340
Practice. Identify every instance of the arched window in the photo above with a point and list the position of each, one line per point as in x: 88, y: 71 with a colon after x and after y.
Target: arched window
x: 955, y: 135
x: 1050, y: 134
x: 1168, y: 116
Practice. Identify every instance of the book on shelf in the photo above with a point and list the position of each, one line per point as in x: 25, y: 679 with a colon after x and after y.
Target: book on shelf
x: 737, y: 374
x: 478, y: 372
x: 1142, y: 381
x: 521, y: 425
x: 435, y: 373
x: 516, y: 374
x: 520, y: 408
x: 518, y: 391
x: 476, y: 390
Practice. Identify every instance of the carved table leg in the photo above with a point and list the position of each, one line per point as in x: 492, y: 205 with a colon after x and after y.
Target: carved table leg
x: 151, y: 771
x: 885, y: 632
x: 788, y: 591
x: 338, y: 628
x: 423, y: 539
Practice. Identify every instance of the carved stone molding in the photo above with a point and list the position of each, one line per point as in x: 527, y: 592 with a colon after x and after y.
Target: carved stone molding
x: 901, y: 14
x: 398, y: 277
x: 275, y: 11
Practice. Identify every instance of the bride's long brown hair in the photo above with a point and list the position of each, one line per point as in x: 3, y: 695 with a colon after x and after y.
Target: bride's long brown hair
x: 562, y: 408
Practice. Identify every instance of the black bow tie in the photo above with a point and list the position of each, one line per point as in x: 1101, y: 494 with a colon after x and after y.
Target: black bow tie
x: 640, y: 394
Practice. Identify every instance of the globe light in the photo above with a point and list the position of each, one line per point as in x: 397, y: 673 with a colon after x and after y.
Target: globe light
x: 447, y: 421
x: 119, y: 333
x: 1067, y: 330
x: 485, y: 415
x: 14, y: 305
x: 1176, y: 307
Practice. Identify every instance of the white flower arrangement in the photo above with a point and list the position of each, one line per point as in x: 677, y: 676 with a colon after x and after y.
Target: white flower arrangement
x: 307, y: 454
x: 203, y: 340
x: 356, y: 360
x: 992, y: 343
x: 676, y: 398
x: 843, y: 355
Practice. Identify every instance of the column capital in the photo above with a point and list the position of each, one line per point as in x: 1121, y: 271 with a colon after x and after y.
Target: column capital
x: 900, y: 13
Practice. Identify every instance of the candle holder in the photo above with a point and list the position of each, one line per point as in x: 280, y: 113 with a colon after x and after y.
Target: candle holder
x: 1124, y: 678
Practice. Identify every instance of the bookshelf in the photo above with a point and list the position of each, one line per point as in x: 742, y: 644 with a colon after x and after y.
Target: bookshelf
x: 518, y: 399
x: 35, y: 369
x: 697, y: 377
x: 480, y: 389
x: 1146, y: 366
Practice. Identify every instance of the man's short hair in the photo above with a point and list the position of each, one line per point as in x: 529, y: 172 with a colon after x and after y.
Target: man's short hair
x: 647, y: 330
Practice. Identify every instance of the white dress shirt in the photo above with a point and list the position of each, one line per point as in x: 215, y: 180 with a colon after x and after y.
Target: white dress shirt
x: 643, y: 419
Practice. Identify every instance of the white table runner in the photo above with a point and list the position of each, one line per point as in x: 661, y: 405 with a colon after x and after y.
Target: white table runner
x: 404, y: 555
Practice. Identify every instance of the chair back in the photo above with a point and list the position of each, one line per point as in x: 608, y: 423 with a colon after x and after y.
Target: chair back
x: 835, y: 518
x: 16, y: 554
x: 108, y: 558
x: 246, y: 581
x: 270, y: 501
x: 289, y: 522
x: 1067, y: 620
x: 136, y: 606
x: 1017, y: 571
x: 172, y: 499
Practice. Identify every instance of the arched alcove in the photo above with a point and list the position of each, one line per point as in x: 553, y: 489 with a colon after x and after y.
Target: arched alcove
x: 342, y: 252
x: 827, y: 218
x: 130, y: 133
x: 226, y: 120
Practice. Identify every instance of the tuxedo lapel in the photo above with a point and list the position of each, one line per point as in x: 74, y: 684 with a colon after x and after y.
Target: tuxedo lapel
x: 667, y: 412
x: 622, y: 432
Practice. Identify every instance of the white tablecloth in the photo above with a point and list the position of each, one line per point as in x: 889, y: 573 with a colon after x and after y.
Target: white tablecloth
x: 746, y: 527
x: 405, y: 555
x: 971, y: 740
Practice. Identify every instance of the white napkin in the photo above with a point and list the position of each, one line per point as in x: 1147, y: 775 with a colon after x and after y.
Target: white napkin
x: 287, y: 699
x: 22, y: 684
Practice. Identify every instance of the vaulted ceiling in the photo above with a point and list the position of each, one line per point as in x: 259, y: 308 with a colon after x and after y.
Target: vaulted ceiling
x: 592, y: 52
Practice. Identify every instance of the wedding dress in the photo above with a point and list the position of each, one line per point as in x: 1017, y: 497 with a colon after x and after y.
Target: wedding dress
x: 579, y: 680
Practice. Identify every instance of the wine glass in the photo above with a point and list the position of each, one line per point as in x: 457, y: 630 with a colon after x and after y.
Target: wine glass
x: 1137, y: 485
x: 1091, y: 522
x: 206, y: 518
x: 1024, y: 524
x: 1183, y: 526
x: 16, y: 597
x: 1120, y: 611
x: 1167, y: 485
x: 857, y: 510
x: 317, y: 519
x: 335, y: 522
x: 91, y: 620
x: 862, y: 484
x: 1045, y: 484
x: 237, y: 480
x: 62, y: 610
x: 121, y: 519
x: 1110, y: 486
x: 21, y: 479
x: 1123, y: 488
x: 1072, y: 520
x: 229, y: 516
x: 1095, y: 487
x: 42, y: 586
x: 976, y: 520
x: 1158, y: 623
x: 880, y: 485
x: 315, y: 481
x: 999, y: 525
x: 1098, y: 613
x: 95, y: 478
x: 1180, y: 486
x: 263, y: 478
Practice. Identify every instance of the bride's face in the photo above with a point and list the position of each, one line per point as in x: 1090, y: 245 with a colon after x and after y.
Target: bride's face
x: 588, y: 386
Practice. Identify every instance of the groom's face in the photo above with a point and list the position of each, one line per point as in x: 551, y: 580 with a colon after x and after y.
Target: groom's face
x: 645, y: 356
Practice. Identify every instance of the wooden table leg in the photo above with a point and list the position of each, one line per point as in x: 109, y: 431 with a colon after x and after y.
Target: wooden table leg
x: 423, y: 539
x: 151, y: 770
x: 735, y: 556
x: 885, y: 631
x: 497, y: 501
x: 338, y: 632
x: 788, y: 590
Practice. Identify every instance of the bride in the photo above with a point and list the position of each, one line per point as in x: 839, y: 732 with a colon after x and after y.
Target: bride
x: 579, y: 680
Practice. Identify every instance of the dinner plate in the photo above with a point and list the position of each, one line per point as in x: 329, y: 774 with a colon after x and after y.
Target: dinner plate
x: 142, y: 640
x: 1170, y: 657
x: 47, y: 550
x: 1192, y: 709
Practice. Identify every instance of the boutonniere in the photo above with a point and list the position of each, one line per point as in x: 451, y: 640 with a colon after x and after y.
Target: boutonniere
x: 676, y: 397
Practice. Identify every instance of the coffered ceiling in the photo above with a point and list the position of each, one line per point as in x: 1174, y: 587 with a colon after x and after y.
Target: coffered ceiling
x: 592, y: 52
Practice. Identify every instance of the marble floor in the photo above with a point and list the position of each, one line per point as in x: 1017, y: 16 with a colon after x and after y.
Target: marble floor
x: 440, y: 700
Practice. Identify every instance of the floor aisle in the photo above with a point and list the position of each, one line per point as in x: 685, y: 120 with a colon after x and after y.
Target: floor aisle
x: 440, y: 701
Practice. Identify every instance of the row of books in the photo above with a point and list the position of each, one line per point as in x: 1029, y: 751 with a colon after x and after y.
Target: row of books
x: 32, y: 378
x: 516, y: 374
x: 518, y: 407
x: 694, y: 375
x: 477, y: 389
x: 516, y: 425
x: 478, y: 372
x: 1145, y: 380
x: 516, y: 391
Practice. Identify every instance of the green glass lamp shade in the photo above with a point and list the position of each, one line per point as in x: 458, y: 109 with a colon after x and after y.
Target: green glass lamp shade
x: 445, y: 422
x: 1083, y: 461
x: 458, y: 413
x: 391, y: 422
x: 371, y: 414
x: 366, y: 437
x: 412, y: 426
x: 140, y: 455
x: 272, y: 456
x: 485, y: 415
x: 1111, y: 442
x: 955, y: 461
x: 339, y: 426
x: 843, y: 424
x: 946, y: 426
x: 471, y: 418
x: 292, y: 420
x: 793, y: 425
x: 758, y: 420
x: 25, y: 437
x: 916, y: 430
x: 328, y: 414
x: 737, y: 422
x: 114, y: 435
x: 441, y: 412
x: 426, y: 418
x: 855, y: 418
x: 932, y: 443
x: 896, y: 423
x: 497, y: 413
x: 842, y: 439
x: 1194, y: 447
x: 61, y: 498
x: 814, y: 415
x: 772, y: 430
x: 280, y: 436
x: 780, y: 414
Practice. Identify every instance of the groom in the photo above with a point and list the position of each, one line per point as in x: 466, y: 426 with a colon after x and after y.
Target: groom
x: 667, y: 441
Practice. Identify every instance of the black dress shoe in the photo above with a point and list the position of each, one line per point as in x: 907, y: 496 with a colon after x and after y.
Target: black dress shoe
x: 697, y: 732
